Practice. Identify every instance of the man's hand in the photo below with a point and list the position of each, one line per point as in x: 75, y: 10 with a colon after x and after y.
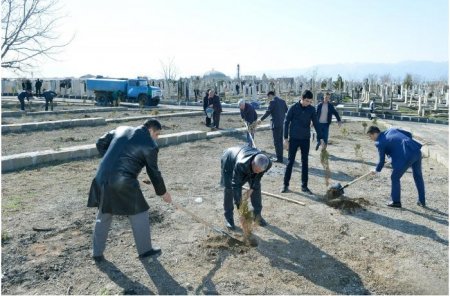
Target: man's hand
x: 339, y: 123
x: 167, y: 197
x: 375, y: 173
x: 286, y: 144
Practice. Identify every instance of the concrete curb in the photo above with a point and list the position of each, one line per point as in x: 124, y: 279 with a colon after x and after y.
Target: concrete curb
x: 395, y: 117
x: 27, y: 160
x: 51, y: 125
x: 72, y: 111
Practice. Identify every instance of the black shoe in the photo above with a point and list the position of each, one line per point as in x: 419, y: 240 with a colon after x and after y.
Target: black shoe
x: 317, y: 146
x: 306, y: 190
x: 394, y: 204
x: 260, y: 220
x: 284, y: 189
x: 230, y: 225
x: 152, y: 252
x: 420, y: 204
x: 98, y: 259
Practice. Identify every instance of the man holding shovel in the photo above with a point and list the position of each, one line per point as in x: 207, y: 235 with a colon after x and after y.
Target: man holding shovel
x: 404, y: 152
x: 249, y: 116
x: 240, y: 165
x: 115, y: 189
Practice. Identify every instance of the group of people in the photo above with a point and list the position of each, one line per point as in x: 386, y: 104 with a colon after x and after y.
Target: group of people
x: 48, y: 95
x: 115, y: 190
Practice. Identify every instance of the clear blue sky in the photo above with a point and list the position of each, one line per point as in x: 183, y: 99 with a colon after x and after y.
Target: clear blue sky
x: 130, y: 38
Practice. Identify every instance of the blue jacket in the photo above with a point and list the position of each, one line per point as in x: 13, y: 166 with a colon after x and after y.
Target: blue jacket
x: 277, y: 109
x: 249, y: 114
x: 331, y: 111
x: 399, y: 145
x: 297, y: 124
x: 24, y: 95
x: 49, y: 95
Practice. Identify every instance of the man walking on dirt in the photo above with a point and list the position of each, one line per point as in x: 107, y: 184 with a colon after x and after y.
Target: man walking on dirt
x: 214, y: 103
x: 277, y: 109
x: 297, y: 132
x: 115, y: 189
x: 325, y: 111
x: 404, y: 152
x: 240, y: 165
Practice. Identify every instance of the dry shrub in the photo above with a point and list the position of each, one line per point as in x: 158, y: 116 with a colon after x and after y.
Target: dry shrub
x: 246, y: 219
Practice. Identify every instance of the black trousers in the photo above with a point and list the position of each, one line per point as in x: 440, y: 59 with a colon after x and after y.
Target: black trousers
x: 46, y: 104
x: 216, y: 119
x: 208, y: 121
x: 277, y: 133
x: 22, y: 104
x: 228, y: 200
x: 294, y: 144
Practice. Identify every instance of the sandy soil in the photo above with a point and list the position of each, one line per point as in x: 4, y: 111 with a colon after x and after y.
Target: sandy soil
x: 311, y: 249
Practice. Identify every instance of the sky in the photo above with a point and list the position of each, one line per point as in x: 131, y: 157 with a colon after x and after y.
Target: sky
x: 135, y: 37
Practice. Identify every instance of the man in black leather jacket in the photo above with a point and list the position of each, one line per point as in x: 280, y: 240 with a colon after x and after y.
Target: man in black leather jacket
x: 115, y: 189
x: 241, y: 165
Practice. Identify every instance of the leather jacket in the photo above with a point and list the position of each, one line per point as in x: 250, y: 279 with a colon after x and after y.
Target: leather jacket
x: 125, y: 152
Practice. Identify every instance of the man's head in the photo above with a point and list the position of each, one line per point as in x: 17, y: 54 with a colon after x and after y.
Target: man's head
x: 373, y: 132
x: 211, y: 93
x: 326, y: 97
x: 270, y: 95
x: 307, y: 97
x: 154, y: 127
x: 260, y: 163
x: 241, y: 104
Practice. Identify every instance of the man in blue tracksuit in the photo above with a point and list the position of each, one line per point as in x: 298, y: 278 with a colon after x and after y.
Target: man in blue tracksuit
x: 325, y: 111
x: 404, y: 152
x: 297, y: 132
x: 277, y: 109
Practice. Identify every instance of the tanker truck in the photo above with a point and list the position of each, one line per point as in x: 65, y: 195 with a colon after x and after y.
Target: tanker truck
x: 108, y: 92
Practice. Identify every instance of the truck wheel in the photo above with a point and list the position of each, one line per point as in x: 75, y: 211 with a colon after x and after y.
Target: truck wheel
x: 142, y: 100
x: 154, y: 101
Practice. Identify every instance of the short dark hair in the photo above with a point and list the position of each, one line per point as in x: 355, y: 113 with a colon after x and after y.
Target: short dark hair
x: 307, y: 94
x: 373, y: 130
x: 153, y: 124
x: 271, y: 93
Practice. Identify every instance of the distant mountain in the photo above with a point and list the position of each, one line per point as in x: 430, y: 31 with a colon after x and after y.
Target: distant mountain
x: 357, y: 71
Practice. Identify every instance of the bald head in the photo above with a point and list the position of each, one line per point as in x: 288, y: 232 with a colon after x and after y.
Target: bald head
x: 260, y: 163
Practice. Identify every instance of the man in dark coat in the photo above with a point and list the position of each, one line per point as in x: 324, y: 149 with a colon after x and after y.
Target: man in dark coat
x: 241, y: 165
x: 277, y: 110
x: 250, y: 117
x: 115, y: 189
x: 325, y: 111
x: 49, y: 95
x: 205, y: 107
x: 214, y: 103
x: 297, y: 133
x: 38, y: 85
x: 24, y: 94
x: 405, y: 153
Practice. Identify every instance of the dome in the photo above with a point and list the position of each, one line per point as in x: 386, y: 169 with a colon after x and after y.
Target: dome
x: 215, y: 75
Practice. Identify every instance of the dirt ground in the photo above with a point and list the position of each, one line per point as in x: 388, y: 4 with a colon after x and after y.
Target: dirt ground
x: 60, y: 138
x: 311, y: 249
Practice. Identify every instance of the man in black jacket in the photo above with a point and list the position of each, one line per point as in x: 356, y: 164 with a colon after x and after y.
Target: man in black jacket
x: 49, y: 95
x: 214, y: 103
x: 205, y: 107
x: 115, y: 189
x: 297, y: 133
x: 241, y: 165
x: 24, y: 94
x: 249, y: 116
x: 277, y: 109
x: 325, y: 111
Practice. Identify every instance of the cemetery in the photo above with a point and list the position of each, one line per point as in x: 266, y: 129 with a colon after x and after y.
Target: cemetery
x: 49, y: 160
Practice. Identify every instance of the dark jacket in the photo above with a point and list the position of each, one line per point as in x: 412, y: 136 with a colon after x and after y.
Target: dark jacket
x: 236, y: 164
x: 297, y: 124
x: 125, y: 152
x: 249, y: 114
x: 277, y: 109
x: 24, y: 95
x: 331, y: 111
x: 399, y: 145
x: 215, y: 101
x: 49, y: 95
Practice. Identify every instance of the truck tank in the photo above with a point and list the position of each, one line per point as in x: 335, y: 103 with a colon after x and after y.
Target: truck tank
x: 107, y: 85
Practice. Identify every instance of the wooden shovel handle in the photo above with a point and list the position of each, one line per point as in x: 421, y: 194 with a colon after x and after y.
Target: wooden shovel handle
x: 280, y: 197
x: 356, y: 180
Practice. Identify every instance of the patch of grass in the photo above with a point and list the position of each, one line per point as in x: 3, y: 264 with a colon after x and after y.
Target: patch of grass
x: 13, y: 203
x: 324, y: 156
x: 344, y: 132
x: 103, y: 291
x: 5, y: 236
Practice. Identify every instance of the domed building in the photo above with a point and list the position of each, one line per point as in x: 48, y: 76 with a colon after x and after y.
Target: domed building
x: 215, y: 75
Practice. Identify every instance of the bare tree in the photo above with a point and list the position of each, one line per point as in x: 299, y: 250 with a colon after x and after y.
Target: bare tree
x: 29, y: 32
x: 170, y: 72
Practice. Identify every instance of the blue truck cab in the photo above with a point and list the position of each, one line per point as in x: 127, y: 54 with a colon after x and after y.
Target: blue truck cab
x: 111, y: 91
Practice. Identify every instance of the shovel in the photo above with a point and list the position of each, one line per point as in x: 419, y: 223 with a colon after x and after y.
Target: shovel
x: 337, y: 190
x: 198, y: 219
x: 250, y: 135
